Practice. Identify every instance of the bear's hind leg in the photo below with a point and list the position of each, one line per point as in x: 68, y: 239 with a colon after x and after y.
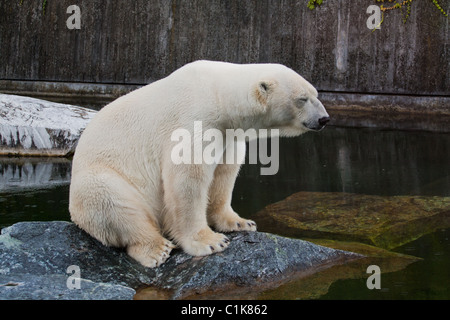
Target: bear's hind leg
x: 113, y: 211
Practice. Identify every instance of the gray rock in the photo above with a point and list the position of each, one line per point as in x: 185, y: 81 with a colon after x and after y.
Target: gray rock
x: 35, y: 256
x: 253, y: 259
x: 34, y: 127
x: 53, y: 286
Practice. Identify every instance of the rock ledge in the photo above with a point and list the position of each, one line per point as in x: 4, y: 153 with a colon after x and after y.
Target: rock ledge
x: 35, y: 127
x: 35, y: 256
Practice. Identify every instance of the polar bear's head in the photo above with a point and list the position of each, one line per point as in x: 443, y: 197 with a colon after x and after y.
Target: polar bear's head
x: 289, y: 102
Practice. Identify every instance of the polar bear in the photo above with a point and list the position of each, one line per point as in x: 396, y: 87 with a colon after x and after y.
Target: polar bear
x: 127, y: 192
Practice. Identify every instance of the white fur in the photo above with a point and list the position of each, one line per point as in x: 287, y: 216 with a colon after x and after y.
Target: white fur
x: 126, y: 191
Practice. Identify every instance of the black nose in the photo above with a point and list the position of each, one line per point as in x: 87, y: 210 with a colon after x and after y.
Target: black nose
x: 323, y: 121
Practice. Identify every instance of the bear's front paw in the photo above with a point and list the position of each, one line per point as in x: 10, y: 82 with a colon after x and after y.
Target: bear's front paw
x: 229, y: 221
x: 237, y: 225
x: 151, y: 254
x: 205, y: 242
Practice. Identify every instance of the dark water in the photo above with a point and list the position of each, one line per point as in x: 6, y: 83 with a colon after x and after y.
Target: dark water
x: 425, y: 279
x: 364, y: 161
x: 34, y: 190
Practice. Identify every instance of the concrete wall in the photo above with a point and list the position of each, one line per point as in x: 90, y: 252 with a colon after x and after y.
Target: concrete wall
x: 123, y: 43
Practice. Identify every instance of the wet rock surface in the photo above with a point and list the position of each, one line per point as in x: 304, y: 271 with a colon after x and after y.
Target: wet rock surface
x: 35, y: 257
x: 35, y: 127
x: 382, y: 221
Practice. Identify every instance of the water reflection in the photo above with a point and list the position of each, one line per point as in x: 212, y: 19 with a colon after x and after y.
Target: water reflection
x: 427, y: 278
x: 33, y: 173
x: 361, y: 161
x: 365, y: 161
x: 33, y: 189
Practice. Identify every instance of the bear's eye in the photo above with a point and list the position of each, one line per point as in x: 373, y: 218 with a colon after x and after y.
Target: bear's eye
x: 301, y: 101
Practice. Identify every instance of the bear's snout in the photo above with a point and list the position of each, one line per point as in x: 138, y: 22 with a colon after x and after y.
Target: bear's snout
x: 317, y: 125
x: 323, y: 121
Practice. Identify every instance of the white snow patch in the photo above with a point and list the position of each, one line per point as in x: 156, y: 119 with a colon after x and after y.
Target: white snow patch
x: 28, y: 125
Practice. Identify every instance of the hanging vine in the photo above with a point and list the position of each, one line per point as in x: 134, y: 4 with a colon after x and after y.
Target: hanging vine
x: 312, y: 4
x: 44, y: 5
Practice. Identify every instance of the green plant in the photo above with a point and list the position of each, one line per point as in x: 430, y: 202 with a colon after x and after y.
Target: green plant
x: 407, y: 4
x: 436, y: 3
x: 44, y: 5
x: 312, y: 4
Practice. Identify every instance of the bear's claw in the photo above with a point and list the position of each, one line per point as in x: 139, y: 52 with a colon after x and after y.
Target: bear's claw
x: 151, y: 255
x: 205, y: 242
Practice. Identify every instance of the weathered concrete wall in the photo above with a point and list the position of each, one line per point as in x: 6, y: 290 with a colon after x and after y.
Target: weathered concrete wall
x: 140, y: 41
x: 136, y: 42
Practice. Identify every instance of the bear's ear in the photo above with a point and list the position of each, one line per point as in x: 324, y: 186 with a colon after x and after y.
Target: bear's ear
x: 263, y: 90
x: 266, y: 86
